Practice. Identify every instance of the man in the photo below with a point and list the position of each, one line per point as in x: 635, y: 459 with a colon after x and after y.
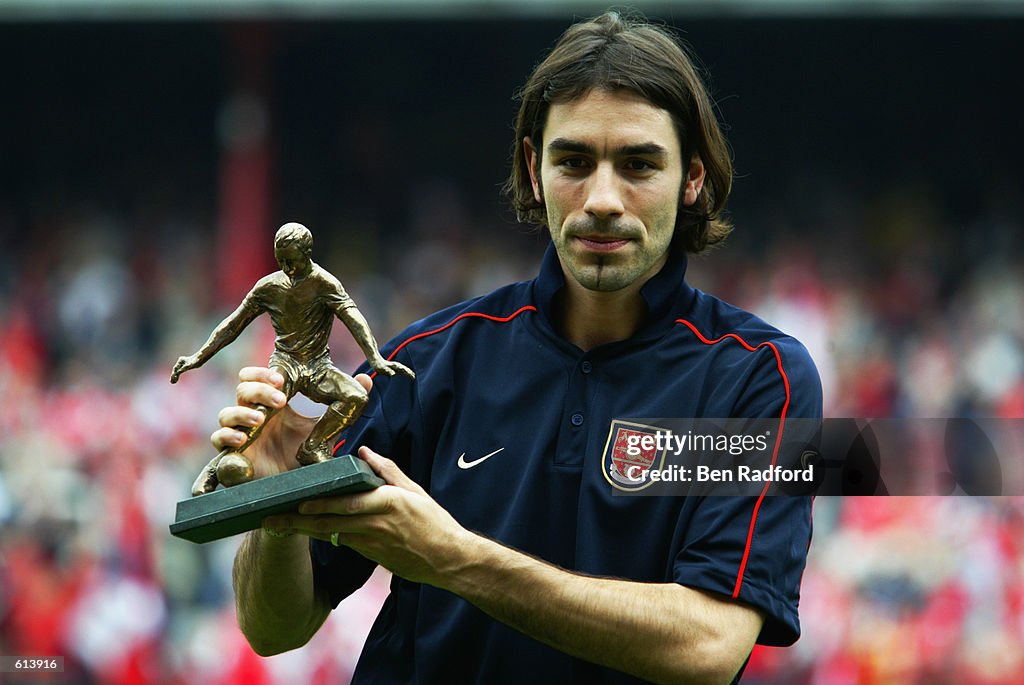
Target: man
x: 513, y: 558
x: 302, y: 300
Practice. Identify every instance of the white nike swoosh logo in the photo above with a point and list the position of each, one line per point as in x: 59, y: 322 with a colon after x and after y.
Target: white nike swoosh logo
x: 463, y: 464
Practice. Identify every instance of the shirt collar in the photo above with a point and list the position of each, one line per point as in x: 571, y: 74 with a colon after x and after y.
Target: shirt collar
x: 661, y: 293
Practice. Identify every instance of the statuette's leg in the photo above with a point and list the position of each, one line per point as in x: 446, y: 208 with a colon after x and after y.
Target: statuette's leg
x: 207, y: 481
x: 229, y: 467
x: 339, y: 416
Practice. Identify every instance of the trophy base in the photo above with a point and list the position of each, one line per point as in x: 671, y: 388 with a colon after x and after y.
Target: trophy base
x: 226, y: 512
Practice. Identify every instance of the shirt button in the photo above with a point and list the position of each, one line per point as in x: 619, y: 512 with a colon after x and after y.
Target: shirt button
x: 577, y: 419
x: 586, y: 367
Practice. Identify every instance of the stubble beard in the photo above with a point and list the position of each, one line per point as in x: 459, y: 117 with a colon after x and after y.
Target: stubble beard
x: 600, y: 272
x: 600, y: 275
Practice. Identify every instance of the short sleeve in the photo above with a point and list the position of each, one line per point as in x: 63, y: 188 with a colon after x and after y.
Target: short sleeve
x: 333, y: 292
x: 754, y: 549
x: 339, y: 300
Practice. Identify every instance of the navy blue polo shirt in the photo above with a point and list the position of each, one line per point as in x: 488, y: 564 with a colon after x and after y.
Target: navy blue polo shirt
x: 506, y: 426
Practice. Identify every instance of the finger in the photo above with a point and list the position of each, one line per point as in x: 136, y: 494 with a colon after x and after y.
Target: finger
x: 276, y: 527
x: 252, y: 393
x: 360, y: 542
x: 388, y: 470
x: 227, y: 437
x: 261, y: 374
x: 375, y: 501
x: 364, y: 381
x: 239, y: 417
x: 320, y: 527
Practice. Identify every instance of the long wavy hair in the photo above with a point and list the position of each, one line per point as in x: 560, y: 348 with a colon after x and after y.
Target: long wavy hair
x: 614, y: 52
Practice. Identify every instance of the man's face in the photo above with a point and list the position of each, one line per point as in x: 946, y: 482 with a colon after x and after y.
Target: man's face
x: 293, y: 261
x: 610, y: 178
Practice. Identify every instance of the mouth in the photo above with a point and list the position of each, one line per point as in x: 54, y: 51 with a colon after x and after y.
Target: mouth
x: 599, y: 243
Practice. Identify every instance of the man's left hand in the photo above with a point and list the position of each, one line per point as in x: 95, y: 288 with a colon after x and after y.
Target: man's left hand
x: 398, y: 525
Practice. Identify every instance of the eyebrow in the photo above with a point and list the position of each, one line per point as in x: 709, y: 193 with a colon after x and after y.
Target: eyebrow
x: 568, y: 145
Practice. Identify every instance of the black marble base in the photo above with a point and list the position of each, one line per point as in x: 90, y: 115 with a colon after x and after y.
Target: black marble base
x: 229, y: 511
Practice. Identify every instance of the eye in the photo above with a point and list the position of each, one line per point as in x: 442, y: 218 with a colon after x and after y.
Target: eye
x: 574, y: 163
x: 639, y: 165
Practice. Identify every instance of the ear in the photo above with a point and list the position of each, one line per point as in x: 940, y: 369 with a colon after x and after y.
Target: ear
x: 694, y: 181
x: 532, y: 156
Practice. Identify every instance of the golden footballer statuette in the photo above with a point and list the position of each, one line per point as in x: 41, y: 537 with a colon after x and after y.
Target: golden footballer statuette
x: 302, y: 300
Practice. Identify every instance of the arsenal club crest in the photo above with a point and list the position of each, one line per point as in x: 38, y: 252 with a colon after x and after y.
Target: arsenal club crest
x: 627, y: 459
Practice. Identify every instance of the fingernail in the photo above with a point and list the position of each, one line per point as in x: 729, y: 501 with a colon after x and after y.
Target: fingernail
x: 276, y: 378
x: 278, y: 398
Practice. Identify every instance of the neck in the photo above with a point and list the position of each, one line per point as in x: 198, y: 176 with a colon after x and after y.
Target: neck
x: 589, y: 318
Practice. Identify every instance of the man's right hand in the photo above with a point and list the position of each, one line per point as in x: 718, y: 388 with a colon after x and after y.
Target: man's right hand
x: 274, y: 452
x: 259, y: 390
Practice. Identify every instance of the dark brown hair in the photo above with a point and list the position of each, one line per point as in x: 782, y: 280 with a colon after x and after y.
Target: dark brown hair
x: 613, y: 52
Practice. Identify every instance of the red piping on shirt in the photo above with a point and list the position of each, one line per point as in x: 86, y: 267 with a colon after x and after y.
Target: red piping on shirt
x: 778, y: 438
x: 489, y: 317
x: 479, y: 315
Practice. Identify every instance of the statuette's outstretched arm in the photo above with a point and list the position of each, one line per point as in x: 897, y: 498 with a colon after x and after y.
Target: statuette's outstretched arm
x: 356, y: 324
x: 224, y: 334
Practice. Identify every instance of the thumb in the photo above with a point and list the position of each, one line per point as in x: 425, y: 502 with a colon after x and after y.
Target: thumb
x: 365, y: 381
x: 388, y: 470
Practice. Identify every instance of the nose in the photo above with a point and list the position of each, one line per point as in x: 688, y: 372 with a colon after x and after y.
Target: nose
x: 604, y: 195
